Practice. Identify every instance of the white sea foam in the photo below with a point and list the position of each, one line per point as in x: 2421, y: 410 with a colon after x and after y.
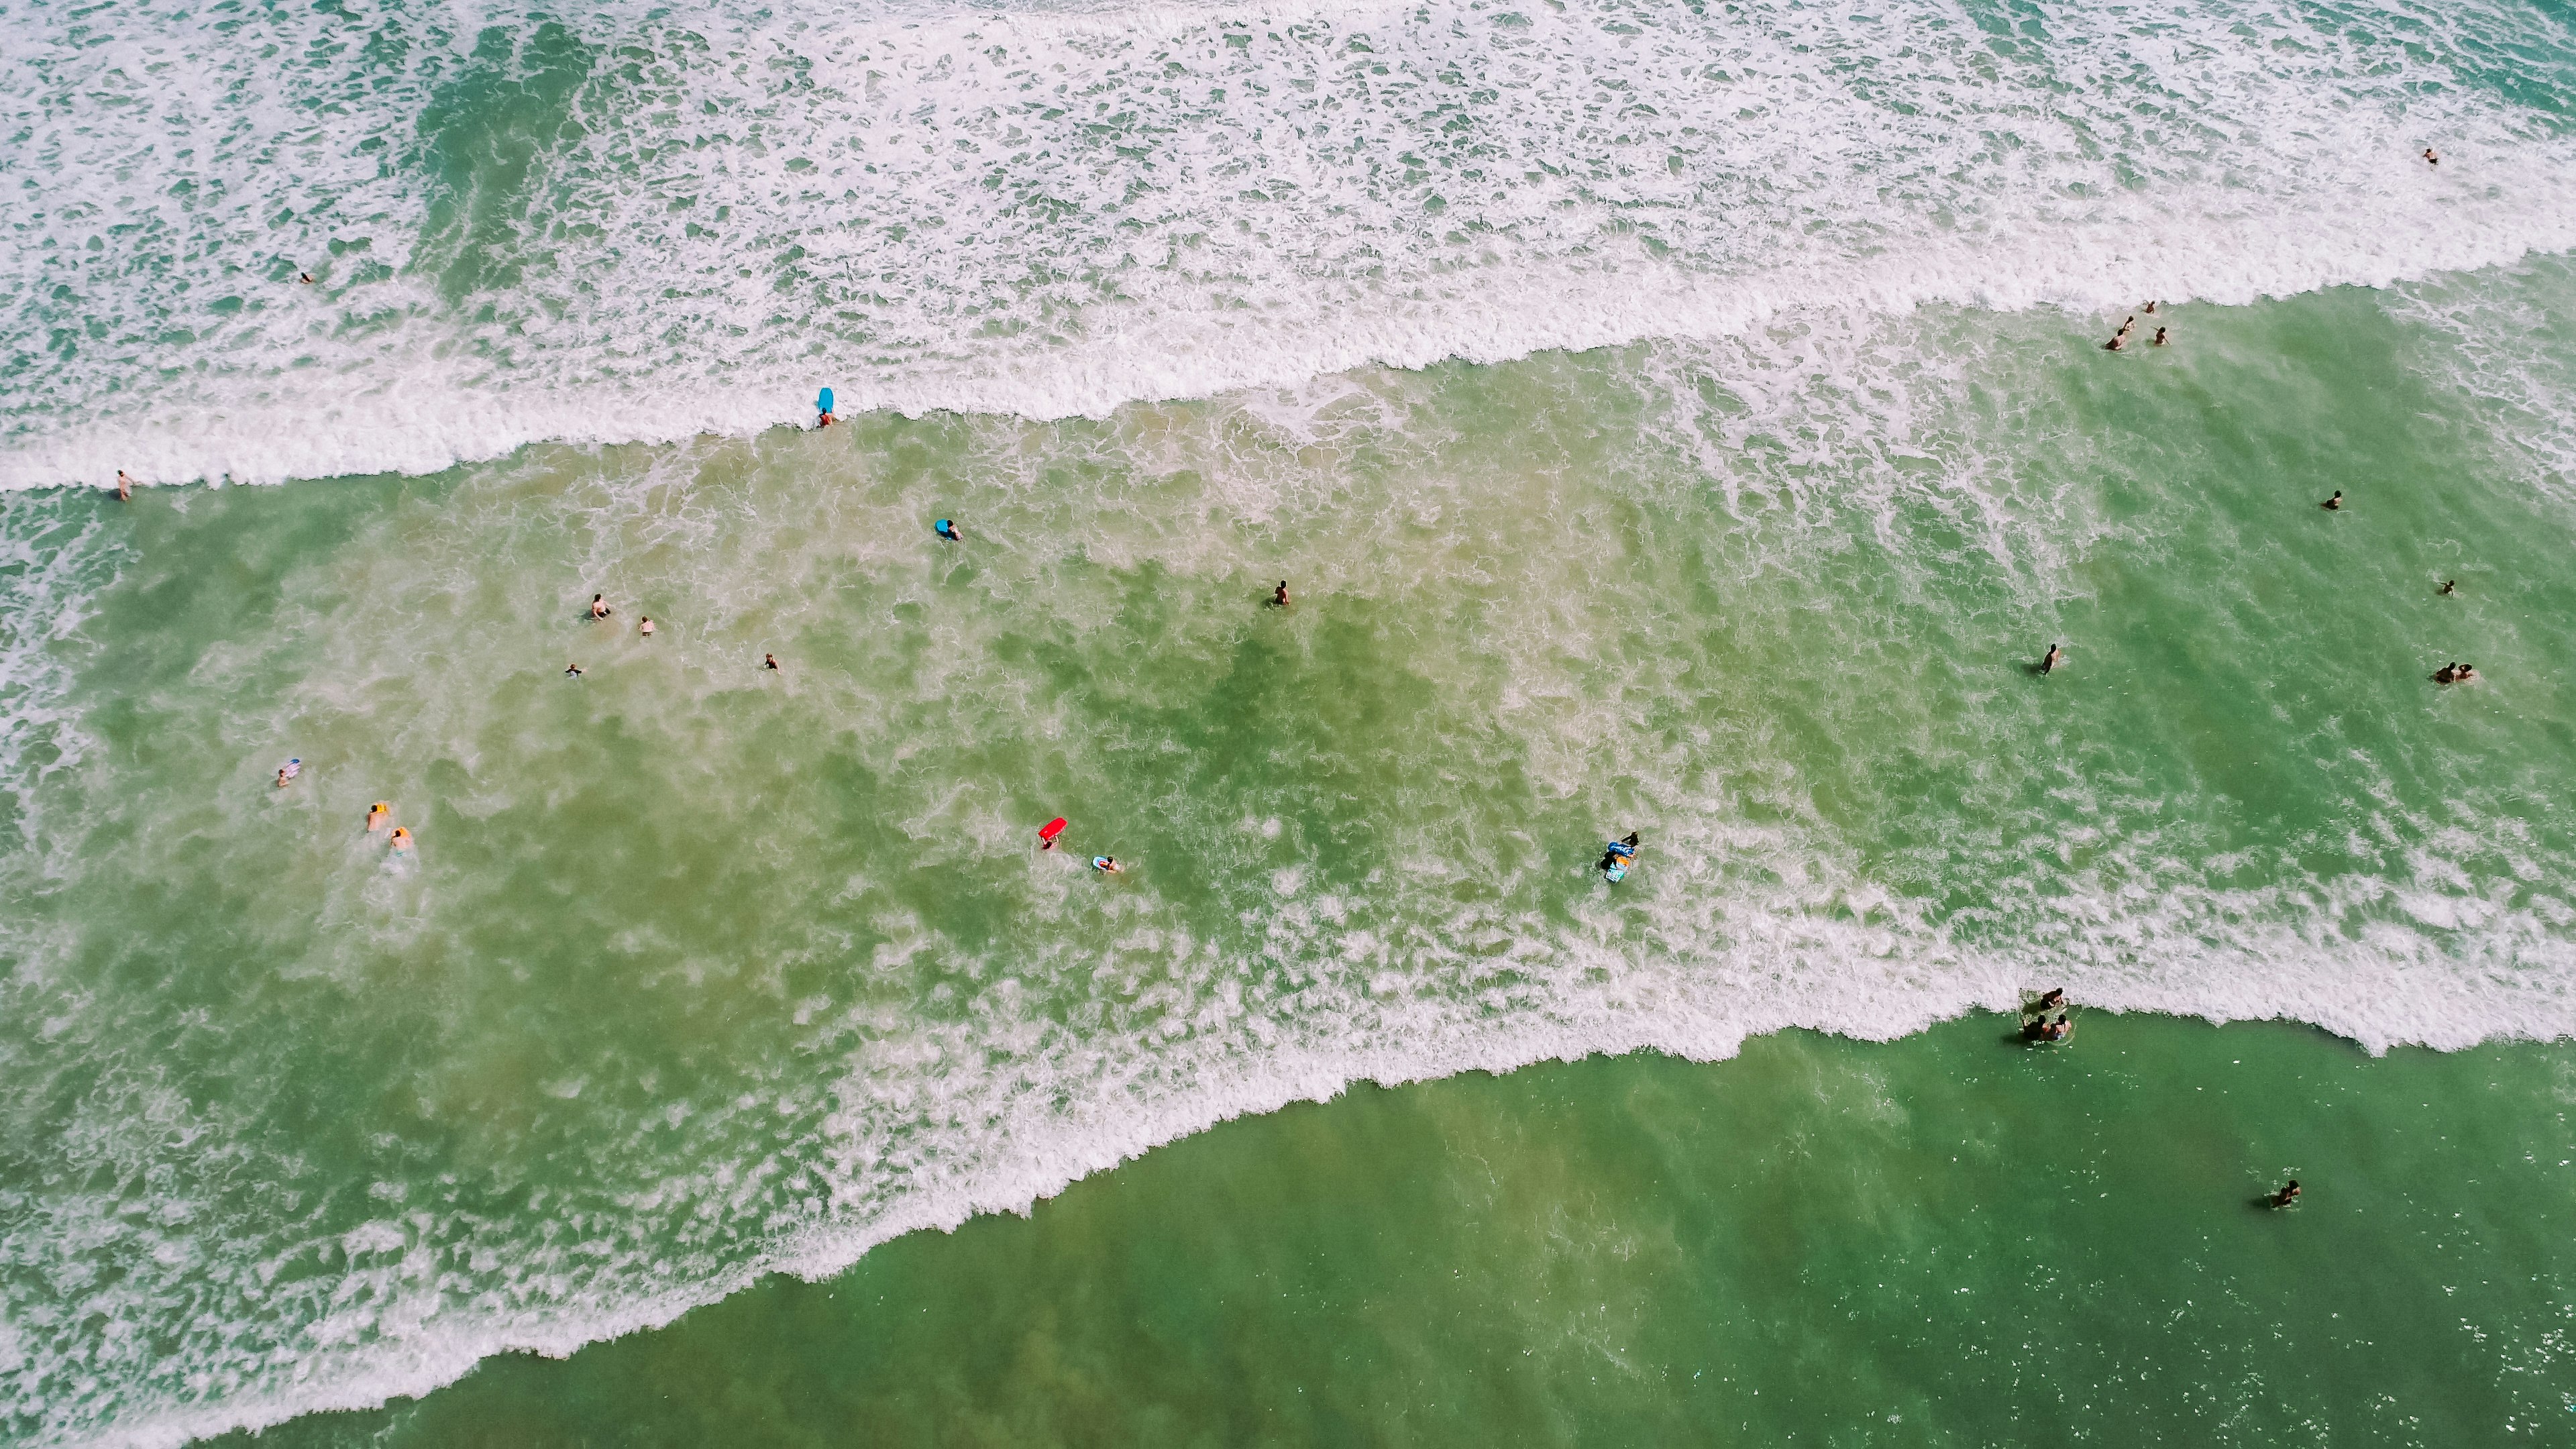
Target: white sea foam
x: 641, y: 224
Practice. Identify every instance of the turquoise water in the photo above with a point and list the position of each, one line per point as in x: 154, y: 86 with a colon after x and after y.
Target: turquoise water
x: 1716, y: 481
x: 1948, y: 1240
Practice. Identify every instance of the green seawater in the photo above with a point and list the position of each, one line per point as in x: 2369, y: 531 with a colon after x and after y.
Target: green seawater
x: 702, y: 972
x: 1948, y: 1240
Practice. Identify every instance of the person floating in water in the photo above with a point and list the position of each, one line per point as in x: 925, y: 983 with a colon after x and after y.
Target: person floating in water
x: 289, y: 771
x: 599, y: 606
x: 2449, y: 586
x: 124, y: 487
x: 1107, y: 865
x: 947, y: 529
x: 2160, y: 333
x: 1279, y: 595
x: 2288, y: 1194
x: 769, y: 661
x: 2048, y: 661
x: 572, y: 671
x: 402, y: 838
x: 379, y: 817
x: 645, y: 628
x: 2432, y: 157
x: 2334, y: 504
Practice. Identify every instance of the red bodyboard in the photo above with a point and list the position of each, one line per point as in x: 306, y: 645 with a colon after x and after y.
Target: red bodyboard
x: 1052, y: 829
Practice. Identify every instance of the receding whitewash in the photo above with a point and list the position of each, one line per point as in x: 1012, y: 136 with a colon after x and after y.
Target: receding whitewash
x: 638, y: 224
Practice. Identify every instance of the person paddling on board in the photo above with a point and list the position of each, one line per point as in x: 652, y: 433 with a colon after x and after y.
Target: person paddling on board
x: 289, y: 771
x: 1107, y: 865
x: 2288, y: 1194
x: 1049, y: 831
x: 823, y: 409
x: 947, y: 529
x: 1618, y: 855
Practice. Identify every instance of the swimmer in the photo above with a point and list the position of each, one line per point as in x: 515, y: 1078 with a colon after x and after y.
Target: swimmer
x: 124, y: 487
x: 2160, y: 337
x: 2432, y: 157
x: 2048, y: 661
x: 2468, y: 675
x: 2058, y: 1030
x: 645, y: 628
x: 1279, y: 595
x: 824, y: 420
x: 2446, y: 674
x: 289, y: 771
x: 769, y: 661
x: 2116, y: 343
x: 2288, y: 1194
x: 2055, y: 999
x: 1619, y: 850
x: 379, y: 817
x: 2334, y: 504
x: 2149, y: 309
x: 1107, y: 865
x: 402, y: 838
x: 2129, y: 322
x: 2449, y: 586
x: 599, y: 606
x: 305, y: 277
x: 572, y: 671
x: 948, y: 530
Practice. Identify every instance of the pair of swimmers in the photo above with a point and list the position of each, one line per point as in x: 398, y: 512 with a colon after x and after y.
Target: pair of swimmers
x: 381, y: 816
x: 2457, y: 674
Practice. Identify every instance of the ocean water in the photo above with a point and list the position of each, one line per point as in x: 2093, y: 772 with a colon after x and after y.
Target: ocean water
x: 1688, y: 420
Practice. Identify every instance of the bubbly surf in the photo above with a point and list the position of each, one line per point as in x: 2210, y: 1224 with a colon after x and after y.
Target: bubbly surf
x: 642, y: 223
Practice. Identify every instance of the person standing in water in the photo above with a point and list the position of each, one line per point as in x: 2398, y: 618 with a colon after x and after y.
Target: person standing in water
x: 2160, y: 332
x: 572, y: 671
x: 2048, y: 661
x: 1107, y: 865
x: 769, y: 661
x: 2288, y: 1194
x: 645, y: 628
x: 2334, y: 504
x: 599, y: 606
x: 2432, y: 157
x: 379, y: 817
x: 124, y: 487
x: 1279, y: 595
x: 2449, y: 586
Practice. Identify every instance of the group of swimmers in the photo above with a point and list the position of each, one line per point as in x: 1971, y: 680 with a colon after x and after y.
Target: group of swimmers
x: 2120, y: 340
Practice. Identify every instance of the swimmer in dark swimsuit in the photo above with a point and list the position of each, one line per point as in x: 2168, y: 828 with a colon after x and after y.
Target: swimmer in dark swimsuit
x: 2432, y: 157
x: 2449, y: 586
x: 1279, y: 595
x: 2334, y: 504
x: 572, y: 671
x: 2160, y: 337
x: 2288, y: 1194
x: 769, y: 661
x: 2048, y: 661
